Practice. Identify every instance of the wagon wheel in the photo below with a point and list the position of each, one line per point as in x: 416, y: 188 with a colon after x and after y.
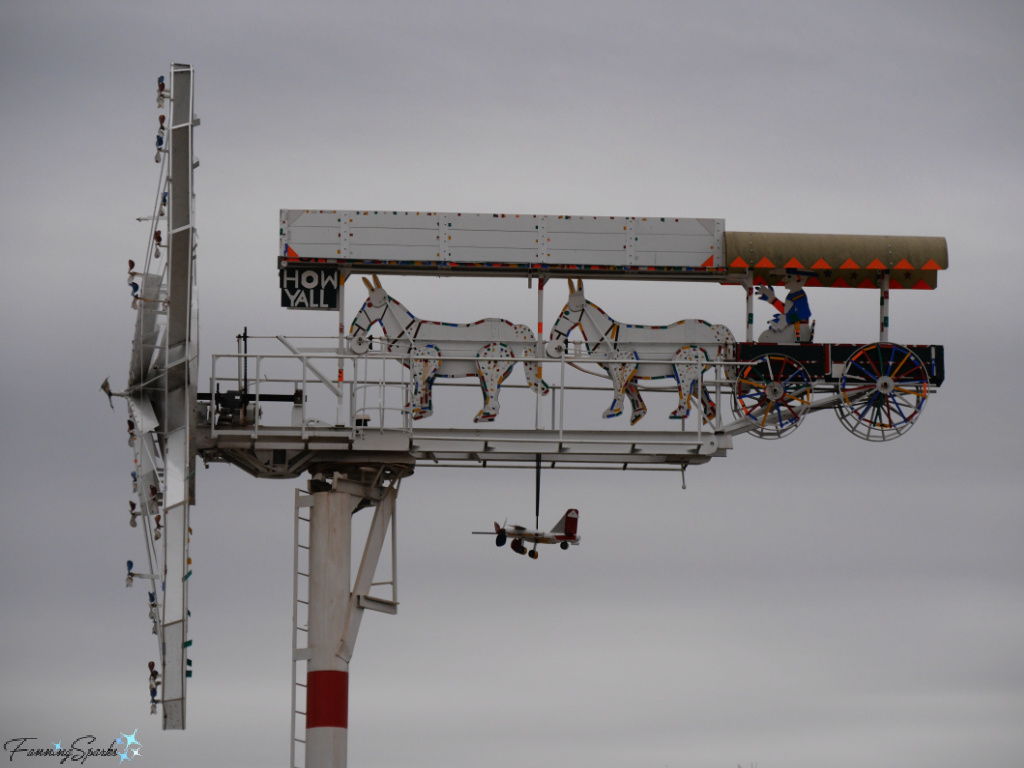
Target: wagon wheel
x: 773, y: 391
x: 884, y: 387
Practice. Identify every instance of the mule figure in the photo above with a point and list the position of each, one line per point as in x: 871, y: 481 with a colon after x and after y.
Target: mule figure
x: 686, y: 347
x: 489, y: 349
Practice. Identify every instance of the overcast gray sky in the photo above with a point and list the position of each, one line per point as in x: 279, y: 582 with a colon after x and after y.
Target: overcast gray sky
x: 816, y: 601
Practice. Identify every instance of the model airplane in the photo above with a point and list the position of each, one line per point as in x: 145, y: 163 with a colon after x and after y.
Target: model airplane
x: 563, y: 534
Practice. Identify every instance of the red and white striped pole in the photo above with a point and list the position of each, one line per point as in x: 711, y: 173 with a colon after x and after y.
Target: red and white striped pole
x: 330, y: 548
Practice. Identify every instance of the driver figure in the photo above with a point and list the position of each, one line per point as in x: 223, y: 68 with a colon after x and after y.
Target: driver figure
x: 789, y: 326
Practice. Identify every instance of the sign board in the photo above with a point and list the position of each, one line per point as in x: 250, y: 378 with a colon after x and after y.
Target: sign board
x: 506, y: 244
x: 309, y: 287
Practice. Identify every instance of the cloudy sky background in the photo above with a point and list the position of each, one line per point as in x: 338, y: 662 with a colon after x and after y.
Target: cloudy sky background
x: 818, y: 601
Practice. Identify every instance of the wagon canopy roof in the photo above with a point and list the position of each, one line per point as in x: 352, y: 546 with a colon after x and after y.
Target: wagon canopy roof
x: 841, y: 261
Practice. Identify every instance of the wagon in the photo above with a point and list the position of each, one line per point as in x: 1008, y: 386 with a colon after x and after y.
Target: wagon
x: 877, y: 389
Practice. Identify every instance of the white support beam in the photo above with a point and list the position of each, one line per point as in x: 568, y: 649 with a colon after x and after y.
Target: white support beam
x: 382, y: 517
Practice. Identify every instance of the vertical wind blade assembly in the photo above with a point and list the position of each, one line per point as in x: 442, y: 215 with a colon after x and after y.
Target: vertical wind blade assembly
x: 161, y: 391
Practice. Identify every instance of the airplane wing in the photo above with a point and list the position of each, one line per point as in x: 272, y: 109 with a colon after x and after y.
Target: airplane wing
x: 497, y: 529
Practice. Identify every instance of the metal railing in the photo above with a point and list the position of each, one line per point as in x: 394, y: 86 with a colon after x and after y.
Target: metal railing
x: 328, y: 390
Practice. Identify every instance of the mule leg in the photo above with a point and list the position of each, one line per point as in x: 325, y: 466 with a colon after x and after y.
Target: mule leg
x: 621, y: 374
x: 426, y: 400
x: 424, y: 371
x: 708, y: 405
x: 615, y: 409
x: 686, y: 366
x: 412, y: 405
x: 636, y: 402
x: 534, y: 374
x: 494, y: 364
x: 534, y: 379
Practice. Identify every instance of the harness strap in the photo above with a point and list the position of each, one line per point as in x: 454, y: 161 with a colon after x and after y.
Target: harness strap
x: 611, y: 335
x: 356, y: 324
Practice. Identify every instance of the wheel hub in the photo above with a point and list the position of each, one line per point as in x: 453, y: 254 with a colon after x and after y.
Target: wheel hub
x: 774, y: 391
x: 885, y: 385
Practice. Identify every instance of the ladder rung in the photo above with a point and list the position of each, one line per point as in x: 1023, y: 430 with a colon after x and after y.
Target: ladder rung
x: 304, y: 602
x: 299, y: 713
x: 301, y: 685
x: 303, y: 629
x: 302, y: 574
x: 301, y: 741
x: 302, y: 546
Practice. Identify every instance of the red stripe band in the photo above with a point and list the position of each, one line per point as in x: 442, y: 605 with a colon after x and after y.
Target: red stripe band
x: 326, y: 699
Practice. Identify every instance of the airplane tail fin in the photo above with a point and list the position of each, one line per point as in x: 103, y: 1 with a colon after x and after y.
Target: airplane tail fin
x: 568, y: 524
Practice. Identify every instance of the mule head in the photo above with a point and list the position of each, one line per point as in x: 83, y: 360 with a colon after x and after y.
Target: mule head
x: 576, y: 298
x: 378, y: 296
x: 371, y: 312
x: 567, y: 320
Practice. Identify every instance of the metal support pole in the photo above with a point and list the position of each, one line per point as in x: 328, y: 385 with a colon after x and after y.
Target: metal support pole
x: 340, y: 417
x: 336, y: 605
x: 540, y: 345
x: 330, y: 567
x: 748, y: 286
x: 883, y: 307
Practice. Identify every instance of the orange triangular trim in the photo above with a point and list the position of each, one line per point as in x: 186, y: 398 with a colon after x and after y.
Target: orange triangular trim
x: 930, y: 264
x: 794, y: 264
x: 840, y: 283
x: 290, y: 254
x: 867, y: 284
x: 921, y: 285
x: 814, y: 282
x: 740, y: 263
x: 876, y: 264
x: 821, y: 264
x: 849, y: 264
x: 904, y: 264
x: 764, y: 264
x: 760, y: 281
x: 709, y: 263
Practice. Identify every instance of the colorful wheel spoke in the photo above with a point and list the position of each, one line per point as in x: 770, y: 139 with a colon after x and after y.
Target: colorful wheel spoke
x: 896, y: 370
x: 866, y: 374
x: 773, y: 392
x: 884, y: 387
